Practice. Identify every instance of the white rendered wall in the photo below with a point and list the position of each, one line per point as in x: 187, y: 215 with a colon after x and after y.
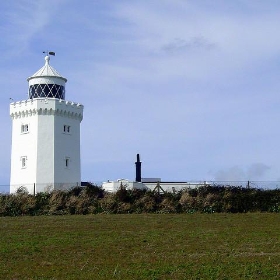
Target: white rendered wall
x: 23, y: 144
x: 114, y: 186
x: 46, y: 145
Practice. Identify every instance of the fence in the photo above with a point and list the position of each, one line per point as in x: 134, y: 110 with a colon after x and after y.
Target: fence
x: 32, y: 188
x: 247, y: 184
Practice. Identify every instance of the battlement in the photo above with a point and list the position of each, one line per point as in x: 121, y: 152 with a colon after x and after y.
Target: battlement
x: 46, y: 100
x: 46, y: 106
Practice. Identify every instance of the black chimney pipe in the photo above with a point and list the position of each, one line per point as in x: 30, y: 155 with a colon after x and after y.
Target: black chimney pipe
x: 138, y: 169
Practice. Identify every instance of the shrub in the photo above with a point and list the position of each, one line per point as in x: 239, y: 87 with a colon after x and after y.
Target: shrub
x: 92, y: 199
x: 146, y: 203
x: 109, y: 204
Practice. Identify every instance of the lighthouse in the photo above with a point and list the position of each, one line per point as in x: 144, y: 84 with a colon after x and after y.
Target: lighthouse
x: 45, y: 152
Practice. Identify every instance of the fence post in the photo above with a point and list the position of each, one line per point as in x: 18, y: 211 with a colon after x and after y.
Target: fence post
x: 34, y: 189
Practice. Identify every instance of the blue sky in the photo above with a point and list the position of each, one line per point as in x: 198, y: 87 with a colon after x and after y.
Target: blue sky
x: 193, y: 86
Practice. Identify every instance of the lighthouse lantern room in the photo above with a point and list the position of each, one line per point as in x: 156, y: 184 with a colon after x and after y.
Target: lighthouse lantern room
x: 45, y: 135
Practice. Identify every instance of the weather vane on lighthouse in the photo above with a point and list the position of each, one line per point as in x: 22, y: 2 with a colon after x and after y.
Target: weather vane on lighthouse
x: 49, y: 53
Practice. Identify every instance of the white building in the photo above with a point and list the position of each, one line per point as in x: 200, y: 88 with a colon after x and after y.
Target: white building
x: 153, y: 184
x: 45, y: 135
x: 114, y: 186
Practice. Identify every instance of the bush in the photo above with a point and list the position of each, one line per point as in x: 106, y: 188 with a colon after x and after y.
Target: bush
x: 92, y: 200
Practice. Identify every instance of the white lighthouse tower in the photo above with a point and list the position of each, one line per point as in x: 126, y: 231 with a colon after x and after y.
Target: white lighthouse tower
x: 45, y: 135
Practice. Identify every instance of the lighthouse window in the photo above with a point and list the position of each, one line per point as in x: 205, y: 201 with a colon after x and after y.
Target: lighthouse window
x: 24, y: 128
x: 23, y: 162
x: 66, y: 128
x: 67, y: 162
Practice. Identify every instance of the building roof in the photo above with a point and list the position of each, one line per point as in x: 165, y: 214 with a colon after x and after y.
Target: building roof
x: 46, y: 71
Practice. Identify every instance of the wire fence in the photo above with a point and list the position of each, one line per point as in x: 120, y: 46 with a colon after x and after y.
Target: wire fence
x: 33, y: 188
x: 246, y: 184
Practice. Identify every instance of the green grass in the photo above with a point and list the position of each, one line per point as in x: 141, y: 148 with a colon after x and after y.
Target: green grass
x: 154, y: 246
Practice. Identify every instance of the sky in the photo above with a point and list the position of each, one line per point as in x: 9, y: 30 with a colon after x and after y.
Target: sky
x: 192, y: 86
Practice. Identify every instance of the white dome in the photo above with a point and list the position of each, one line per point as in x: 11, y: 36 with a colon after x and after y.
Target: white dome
x: 47, y: 82
x: 47, y: 71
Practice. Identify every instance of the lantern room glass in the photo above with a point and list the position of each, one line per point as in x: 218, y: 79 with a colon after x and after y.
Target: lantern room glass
x: 47, y: 90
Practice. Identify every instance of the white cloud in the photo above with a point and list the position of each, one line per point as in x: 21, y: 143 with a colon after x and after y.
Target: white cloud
x: 242, y: 41
x: 23, y: 21
x: 181, y: 45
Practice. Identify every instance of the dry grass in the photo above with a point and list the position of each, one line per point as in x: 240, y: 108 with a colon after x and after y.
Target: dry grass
x: 144, y: 246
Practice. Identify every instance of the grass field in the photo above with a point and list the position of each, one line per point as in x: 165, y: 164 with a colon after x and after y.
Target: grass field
x: 144, y: 246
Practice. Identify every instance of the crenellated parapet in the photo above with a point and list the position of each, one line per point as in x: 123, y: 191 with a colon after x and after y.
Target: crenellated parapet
x: 46, y: 106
